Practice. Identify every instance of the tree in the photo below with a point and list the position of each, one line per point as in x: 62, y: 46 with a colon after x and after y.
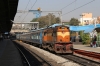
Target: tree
x: 58, y: 20
x: 47, y: 20
x: 86, y: 39
x: 53, y: 19
x: 74, y: 22
x: 43, y: 21
x: 34, y: 20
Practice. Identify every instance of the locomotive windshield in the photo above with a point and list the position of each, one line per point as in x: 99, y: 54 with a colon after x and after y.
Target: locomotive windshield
x: 62, y: 27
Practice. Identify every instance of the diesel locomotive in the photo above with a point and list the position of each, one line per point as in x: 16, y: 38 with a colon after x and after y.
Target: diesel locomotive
x: 55, y: 39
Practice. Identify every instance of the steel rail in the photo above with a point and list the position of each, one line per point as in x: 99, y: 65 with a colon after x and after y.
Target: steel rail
x: 24, y: 56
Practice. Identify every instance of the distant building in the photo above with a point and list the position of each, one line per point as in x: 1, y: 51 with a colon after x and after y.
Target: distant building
x: 24, y: 26
x: 98, y: 19
x: 85, y: 18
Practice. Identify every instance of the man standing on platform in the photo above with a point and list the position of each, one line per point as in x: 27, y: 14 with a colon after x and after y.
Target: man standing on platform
x: 94, y: 41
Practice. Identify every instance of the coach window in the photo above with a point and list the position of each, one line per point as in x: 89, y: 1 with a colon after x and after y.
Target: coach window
x: 28, y: 36
x: 38, y: 36
x: 32, y: 37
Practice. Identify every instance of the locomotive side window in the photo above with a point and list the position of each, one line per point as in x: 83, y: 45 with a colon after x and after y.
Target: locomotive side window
x: 52, y: 34
x: 45, y: 33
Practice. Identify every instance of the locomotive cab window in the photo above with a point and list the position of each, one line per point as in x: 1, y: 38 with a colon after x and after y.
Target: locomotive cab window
x: 62, y: 27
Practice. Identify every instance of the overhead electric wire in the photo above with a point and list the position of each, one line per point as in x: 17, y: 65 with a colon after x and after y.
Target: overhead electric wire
x: 69, y: 4
x: 79, y: 7
x: 30, y: 9
x: 24, y: 10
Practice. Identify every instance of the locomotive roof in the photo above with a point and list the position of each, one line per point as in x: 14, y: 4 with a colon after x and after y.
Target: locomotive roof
x: 52, y: 26
x: 55, y: 25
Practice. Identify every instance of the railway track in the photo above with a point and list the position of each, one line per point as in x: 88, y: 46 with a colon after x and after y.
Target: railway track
x: 93, y: 56
x: 24, y: 59
x: 80, y: 60
x: 79, y: 56
x: 83, y: 61
x: 31, y: 59
x: 51, y: 60
x: 43, y: 61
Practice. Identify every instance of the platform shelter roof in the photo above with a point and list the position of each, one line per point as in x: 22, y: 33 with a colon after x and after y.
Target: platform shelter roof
x: 92, y: 28
x: 89, y: 30
x: 55, y: 25
x: 97, y: 25
x: 81, y: 28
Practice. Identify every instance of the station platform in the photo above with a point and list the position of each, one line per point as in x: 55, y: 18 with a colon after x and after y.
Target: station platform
x: 9, y: 55
x: 86, y: 47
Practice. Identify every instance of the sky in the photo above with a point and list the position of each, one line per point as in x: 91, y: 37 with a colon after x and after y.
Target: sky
x: 69, y: 8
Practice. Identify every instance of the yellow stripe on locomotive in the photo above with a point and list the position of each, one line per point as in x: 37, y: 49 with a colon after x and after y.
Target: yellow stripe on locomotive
x: 63, y: 34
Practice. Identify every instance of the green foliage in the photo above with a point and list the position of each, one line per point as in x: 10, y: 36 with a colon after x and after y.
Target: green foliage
x: 34, y: 20
x: 46, y: 20
x: 57, y: 20
x: 81, y: 33
x: 74, y: 22
x: 85, y: 38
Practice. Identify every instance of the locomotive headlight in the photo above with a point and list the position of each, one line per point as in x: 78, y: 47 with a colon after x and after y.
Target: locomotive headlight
x: 60, y: 39
x: 71, y: 47
x: 64, y: 48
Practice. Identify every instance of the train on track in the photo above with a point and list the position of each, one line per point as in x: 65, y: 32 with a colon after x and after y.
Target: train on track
x: 55, y: 39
